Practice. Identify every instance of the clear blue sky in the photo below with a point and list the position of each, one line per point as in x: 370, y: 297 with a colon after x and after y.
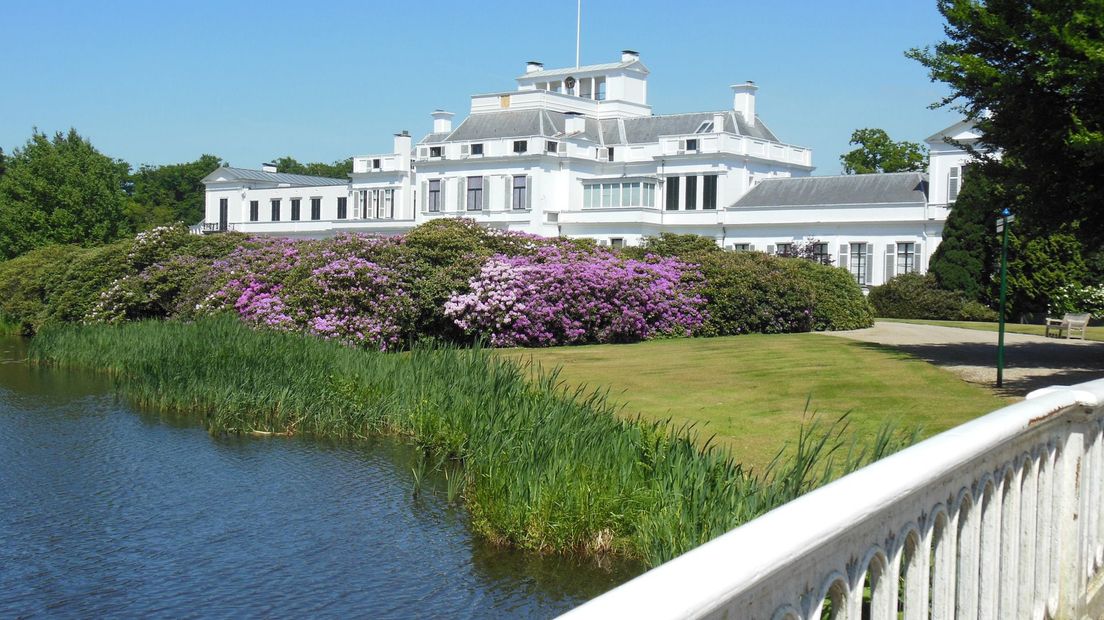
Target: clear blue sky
x: 161, y: 82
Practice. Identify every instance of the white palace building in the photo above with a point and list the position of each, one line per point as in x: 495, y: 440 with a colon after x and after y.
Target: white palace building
x: 578, y: 152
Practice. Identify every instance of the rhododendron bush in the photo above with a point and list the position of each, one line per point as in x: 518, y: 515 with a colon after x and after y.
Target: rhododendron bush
x: 559, y: 296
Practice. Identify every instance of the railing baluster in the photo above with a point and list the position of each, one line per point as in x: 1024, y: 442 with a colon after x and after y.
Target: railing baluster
x: 1009, y: 559
x: 1029, y: 535
x: 988, y: 559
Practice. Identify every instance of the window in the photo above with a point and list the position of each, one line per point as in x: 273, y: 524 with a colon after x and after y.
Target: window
x: 551, y: 146
x: 705, y: 127
x: 275, y: 209
x: 820, y: 254
x: 342, y: 208
x: 316, y: 208
x: 385, y: 206
x: 691, y: 193
x: 709, y: 191
x: 521, y: 146
x: 617, y: 243
x: 692, y: 145
x: 626, y: 194
x: 783, y: 249
x: 477, y: 149
x: 954, y: 181
x: 433, y: 196
x: 649, y: 195
x: 609, y: 153
x: 519, y: 198
x: 295, y: 209
x: 906, y: 258
x: 254, y: 211
x: 672, y: 193
x: 601, y: 85
x: 741, y: 247
x: 858, y: 263
x: 475, y: 193
x: 434, y: 151
x: 375, y: 164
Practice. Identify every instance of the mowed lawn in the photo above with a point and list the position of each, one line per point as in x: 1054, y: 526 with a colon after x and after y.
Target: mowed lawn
x: 751, y: 391
x: 1092, y: 333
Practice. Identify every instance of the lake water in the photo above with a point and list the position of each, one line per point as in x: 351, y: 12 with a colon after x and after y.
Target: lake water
x: 110, y: 511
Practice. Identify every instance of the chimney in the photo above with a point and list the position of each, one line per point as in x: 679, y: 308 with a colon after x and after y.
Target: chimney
x: 743, y: 100
x: 574, y: 123
x: 629, y: 56
x: 268, y: 168
x: 442, y: 121
x: 718, y: 122
x: 533, y: 66
x: 403, y: 143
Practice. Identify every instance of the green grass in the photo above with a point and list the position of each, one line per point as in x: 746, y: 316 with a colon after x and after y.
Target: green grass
x: 9, y: 327
x: 751, y: 390
x: 1092, y: 333
x: 539, y: 467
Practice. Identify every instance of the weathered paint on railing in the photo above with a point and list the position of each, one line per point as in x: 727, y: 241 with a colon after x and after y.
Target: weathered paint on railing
x: 997, y: 518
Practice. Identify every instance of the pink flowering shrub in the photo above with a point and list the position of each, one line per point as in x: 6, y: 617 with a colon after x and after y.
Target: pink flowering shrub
x: 327, y: 288
x: 560, y: 295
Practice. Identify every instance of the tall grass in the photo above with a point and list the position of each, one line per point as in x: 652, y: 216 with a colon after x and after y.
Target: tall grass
x: 10, y: 327
x: 538, y: 467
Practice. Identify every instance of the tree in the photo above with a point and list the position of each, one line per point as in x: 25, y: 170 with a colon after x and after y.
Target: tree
x: 878, y: 153
x: 1030, y: 75
x: 172, y: 193
x: 337, y: 170
x: 966, y: 258
x: 1, y: 162
x: 60, y: 190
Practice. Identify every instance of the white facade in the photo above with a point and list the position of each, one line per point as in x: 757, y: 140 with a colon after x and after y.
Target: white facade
x: 577, y: 152
x: 947, y: 161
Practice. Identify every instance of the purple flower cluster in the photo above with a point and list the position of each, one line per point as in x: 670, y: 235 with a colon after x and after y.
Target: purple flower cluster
x: 559, y: 296
x: 326, y: 288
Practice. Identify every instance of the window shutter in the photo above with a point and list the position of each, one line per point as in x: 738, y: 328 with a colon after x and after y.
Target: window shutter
x: 461, y: 194
x: 425, y: 192
x: 869, y: 264
x: 751, y: 247
x: 918, y: 260
x: 843, y: 262
x: 890, y: 263
x: 770, y: 248
x: 529, y: 192
x: 486, y: 193
x: 464, y: 150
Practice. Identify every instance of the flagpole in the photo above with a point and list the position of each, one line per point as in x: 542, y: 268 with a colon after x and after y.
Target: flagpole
x: 578, y: 26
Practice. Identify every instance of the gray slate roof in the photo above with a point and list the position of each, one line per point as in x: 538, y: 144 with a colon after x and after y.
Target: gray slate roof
x: 550, y: 123
x: 434, y: 138
x: 246, y: 174
x: 898, y: 187
x: 554, y: 73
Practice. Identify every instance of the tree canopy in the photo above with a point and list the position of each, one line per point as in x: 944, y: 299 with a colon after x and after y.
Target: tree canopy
x: 60, y: 190
x: 171, y: 193
x: 337, y: 170
x: 1030, y: 75
x: 878, y: 153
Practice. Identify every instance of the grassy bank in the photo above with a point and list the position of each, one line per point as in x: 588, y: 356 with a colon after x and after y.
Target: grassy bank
x: 9, y: 327
x: 751, y: 390
x: 1092, y: 333
x: 542, y: 469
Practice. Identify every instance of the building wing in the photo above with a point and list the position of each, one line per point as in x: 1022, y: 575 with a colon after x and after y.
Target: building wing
x: 858, y: 189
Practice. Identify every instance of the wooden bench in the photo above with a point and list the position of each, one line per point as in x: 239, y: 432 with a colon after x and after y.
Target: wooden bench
x: 1069, y: 323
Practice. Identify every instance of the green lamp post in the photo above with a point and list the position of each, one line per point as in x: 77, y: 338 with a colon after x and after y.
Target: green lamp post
x: 1003, y: 223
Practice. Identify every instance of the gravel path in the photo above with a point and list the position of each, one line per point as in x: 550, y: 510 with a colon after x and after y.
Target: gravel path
x: 1031, y: 362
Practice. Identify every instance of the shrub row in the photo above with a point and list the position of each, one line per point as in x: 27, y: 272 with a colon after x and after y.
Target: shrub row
x: 446, y: 280
x: 915, y: 296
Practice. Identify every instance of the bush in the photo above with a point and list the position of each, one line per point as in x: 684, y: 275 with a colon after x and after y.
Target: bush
x: 916, y: 296
x: 26, y: 283
x: 671, y: 244
x: 838, y: 302
x: 749, y: 292
x: 563, y: 296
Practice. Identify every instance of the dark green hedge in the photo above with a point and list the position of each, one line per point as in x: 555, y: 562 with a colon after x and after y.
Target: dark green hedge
x: 915, y: 296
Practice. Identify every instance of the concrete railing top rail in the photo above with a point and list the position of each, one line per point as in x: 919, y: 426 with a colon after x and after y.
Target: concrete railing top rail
x: 1031, y: 468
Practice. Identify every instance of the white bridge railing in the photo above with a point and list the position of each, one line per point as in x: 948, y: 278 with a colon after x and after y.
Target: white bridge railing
x: 997, y: 518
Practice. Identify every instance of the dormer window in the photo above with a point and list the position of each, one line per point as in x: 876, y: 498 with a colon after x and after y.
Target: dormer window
x: 705, y: 127
x: 477, y: 149
x: 375, y: 164
x: 521, y: 146
x: 550, y: 146
x: 434, y: 151
x: 691, y: 145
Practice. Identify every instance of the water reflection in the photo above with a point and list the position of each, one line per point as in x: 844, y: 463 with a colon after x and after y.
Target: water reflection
x: 108, y: 511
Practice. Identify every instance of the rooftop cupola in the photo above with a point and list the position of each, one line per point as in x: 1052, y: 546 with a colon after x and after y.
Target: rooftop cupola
x: 442, y: 121
x: 629, y: 55
x: 743, y: 100
x: 533, y: 65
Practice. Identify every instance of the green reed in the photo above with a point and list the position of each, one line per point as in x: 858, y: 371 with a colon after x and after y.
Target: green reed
x: 538, y: 466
